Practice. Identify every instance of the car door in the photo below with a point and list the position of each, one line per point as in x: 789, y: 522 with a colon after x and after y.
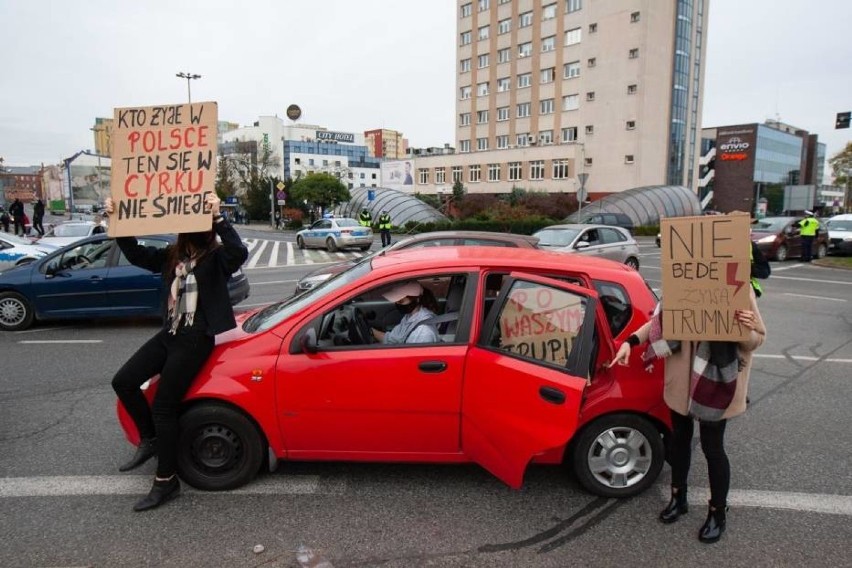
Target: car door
x: 524, y: 379
x: 133, y: 290
x: 614, y: 244
x: 316, y: 235
x: 73, y: 282
x: 593, y: 245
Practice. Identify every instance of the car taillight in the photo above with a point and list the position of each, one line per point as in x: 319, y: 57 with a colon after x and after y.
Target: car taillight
x: 346, y: 231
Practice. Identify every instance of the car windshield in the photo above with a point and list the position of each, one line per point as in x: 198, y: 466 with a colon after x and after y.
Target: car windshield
x: 556, y: 237
x: 274, y: 314
x: 347, y: 223
x: 71, y: 231
x: 770, y: 224
x: 840, y: 225
x: 16, y: 240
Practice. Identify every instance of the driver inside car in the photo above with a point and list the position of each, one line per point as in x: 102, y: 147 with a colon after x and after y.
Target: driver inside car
x: 417, y: 305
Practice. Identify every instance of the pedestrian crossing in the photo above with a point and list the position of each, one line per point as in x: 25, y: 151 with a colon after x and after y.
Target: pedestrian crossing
x: 265, y: 253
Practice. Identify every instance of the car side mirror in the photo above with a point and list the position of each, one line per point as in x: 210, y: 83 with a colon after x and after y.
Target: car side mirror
x: 308, y: 341
x: 581, y: 245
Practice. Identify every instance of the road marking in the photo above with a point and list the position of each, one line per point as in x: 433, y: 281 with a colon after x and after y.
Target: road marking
x: 810, y: 502
x: 273, y: 282
x: 809, y: 358
x: 815, y: 297
x: 34, y: 341
x: 780, y: 268
x: 256, y: 256
x: 808, y: 280
x: 273, y: 256
x: 288, y: 254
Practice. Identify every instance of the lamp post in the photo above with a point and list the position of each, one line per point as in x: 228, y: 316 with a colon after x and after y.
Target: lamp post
x: 189, y: 77
x: 100, y: 182
x: 582, y: 177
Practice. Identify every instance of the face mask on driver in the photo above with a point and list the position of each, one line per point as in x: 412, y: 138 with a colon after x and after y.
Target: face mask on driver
x: 406, y: 309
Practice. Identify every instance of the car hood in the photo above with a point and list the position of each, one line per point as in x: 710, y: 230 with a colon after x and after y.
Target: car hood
x: 757, y: 235
x: 236, y: 333
x: 838, y: 234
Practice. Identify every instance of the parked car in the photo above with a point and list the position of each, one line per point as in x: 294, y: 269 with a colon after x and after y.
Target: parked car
x: 88, y: 279
x: 839, y: 230
x: 433, y: 239
x: 778, y: 238
x: 336, y: 233
x: 518, y: 374
x: 611, y: 219
x: 70, y: 232
x: 15, y: 251
x: 602, y: 241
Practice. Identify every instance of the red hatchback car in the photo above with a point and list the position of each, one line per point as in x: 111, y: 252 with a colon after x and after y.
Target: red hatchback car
x: 518, y: 374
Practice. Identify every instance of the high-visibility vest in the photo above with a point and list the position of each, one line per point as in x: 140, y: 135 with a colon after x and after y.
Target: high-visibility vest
x: 758, y: 289
x: 365, y: 219
x: 809, y: 227
x: 384, y: 222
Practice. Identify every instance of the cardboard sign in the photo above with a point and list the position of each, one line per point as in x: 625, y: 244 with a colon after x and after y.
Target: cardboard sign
x: 163, y: 167
x: 706, y: 270
x: 541, y: 322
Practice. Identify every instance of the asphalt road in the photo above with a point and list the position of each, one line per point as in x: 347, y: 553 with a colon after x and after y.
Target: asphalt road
x: 63, y: 502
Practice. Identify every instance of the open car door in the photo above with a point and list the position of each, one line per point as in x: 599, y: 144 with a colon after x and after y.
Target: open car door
x: 524, y: 379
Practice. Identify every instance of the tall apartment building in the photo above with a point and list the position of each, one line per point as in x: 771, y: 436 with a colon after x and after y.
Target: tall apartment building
x: 549, y: 89
x: 385, y: 143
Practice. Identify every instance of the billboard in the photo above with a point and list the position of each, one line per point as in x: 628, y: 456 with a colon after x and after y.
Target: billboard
x: 733, y: 183
x: 398, y: 175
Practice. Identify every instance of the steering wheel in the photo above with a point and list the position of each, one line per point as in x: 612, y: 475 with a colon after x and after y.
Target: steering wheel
x: 360, y: 332
x: 82, y: 259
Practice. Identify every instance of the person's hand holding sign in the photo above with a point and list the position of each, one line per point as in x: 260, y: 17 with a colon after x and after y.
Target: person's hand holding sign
x: 108, y: 206
x: 214, y: 203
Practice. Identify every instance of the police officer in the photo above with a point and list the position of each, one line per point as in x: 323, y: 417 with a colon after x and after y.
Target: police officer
x: 385, y: 228
x: 808, y: 228
x: 365, y: 219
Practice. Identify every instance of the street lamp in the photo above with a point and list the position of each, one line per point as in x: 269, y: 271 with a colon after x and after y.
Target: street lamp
x: 188, y: 76
x: 100, y: 183
x: 581, y: 178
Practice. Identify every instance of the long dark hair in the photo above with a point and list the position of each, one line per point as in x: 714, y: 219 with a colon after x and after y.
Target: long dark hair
x: 193, y: 246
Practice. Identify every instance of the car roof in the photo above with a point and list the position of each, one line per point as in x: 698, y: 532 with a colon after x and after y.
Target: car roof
x: 581, y: 226
x: 506, y: 237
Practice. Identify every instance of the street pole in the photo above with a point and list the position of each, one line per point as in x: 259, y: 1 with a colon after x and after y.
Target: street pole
x: 189, y: 77
x: 100, y: 182
x: 271, y: 204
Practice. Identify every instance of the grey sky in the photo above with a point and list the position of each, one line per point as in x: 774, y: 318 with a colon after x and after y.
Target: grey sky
x: 354, y: 65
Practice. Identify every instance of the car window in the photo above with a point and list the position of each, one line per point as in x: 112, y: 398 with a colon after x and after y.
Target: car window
x: 71, y: 231
x: 590, y: 236
x: 145, y: 242
x: 433, y: 243
x: 616, y: 305
x: 609, y: 236
x: 486, y: 243
x: 347, y: 223
x: 81, y: 257
x: 839, y: 225
x: 538, y: 322
x: 556, y: 237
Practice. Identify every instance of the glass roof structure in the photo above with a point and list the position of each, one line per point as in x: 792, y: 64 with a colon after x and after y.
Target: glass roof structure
x: 645, y: 205
x: 402, y: 207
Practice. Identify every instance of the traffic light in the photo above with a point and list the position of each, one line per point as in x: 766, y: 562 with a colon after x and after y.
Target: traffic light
x: 842, y: 120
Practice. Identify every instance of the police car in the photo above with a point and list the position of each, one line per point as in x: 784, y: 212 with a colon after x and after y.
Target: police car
x: 334, y: 234
x: 15, y: 251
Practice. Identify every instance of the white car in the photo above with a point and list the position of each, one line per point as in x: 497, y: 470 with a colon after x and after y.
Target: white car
x: 335, y: 233
x: 70, y: 232
x: 15, y: 251
x: 840, y: 234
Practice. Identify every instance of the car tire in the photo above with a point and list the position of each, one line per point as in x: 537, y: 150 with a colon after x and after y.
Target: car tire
x: 330, y: 245
x: 16, y: 313
x: 821, y: 251
x: 781, y: 253
x: 300, y: 242
x: 220, y: 447
x: 619, y: 455
x: 632, y: 262
x: 365, y: 248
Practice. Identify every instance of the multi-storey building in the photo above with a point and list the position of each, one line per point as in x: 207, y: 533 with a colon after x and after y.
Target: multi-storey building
x: 102, y: 131
x: 385, y: 143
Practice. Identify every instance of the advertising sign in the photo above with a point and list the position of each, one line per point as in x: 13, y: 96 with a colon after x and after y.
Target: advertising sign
x: 733, y: 184
x: 164, y: 166
x: 706, y: 269
x: 398, y: 175
x: 335, y: 136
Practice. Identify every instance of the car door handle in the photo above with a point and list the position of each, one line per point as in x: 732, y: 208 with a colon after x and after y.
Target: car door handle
x: 95, y: 279
x: 433, y: 366
x: 552, y: 395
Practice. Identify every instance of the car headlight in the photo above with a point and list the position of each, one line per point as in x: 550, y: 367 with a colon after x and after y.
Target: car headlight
x: 764, y: 240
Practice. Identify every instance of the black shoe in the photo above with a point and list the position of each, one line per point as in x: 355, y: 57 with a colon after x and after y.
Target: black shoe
x: 676, y: 507
x: 146, y: 450
x: 714, y: 526
x: 161, y: 492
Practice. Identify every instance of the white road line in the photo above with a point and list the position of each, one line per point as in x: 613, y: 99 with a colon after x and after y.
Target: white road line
x: 810, y: 502
x: 308, y: 260
x: 36, y: 341
x: 256, y: 256
x: 788, y: 267
x: 273, y: 282
x: 273, y: 256
x: 815, y: 297
x: 773, y: 277
x: 289, y: 255
x: 250, y: 243
x: 809, y: 358
x: 325, y: 256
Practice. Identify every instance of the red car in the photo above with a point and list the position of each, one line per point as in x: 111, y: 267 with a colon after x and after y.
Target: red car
x: 518, y: 375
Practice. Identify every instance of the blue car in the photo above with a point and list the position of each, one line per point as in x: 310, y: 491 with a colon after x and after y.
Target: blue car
x: 88, y: 279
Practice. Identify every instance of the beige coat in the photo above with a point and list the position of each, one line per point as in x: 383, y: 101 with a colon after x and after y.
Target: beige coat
x: 679, y: 365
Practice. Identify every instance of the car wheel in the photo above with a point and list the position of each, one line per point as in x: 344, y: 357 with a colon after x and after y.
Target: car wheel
x: 219, y: 448
x: 632, y: 262
x: 365, y: 248
x: 300, y: 242
x: 330, y: 245
x: 781, y: 253
x: 619, y: 455
x: 15, y: 312
x: 821, y: 251
x: 24, y: 261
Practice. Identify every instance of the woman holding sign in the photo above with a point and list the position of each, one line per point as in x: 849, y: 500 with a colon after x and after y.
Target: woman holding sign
x: 195, y: 271
x: 707, y: 381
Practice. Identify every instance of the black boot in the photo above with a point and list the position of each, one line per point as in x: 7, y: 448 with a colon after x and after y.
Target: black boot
x: 714, y: 526
x: 162, y: 491
x: 676, y: 507
x: 146, y: 450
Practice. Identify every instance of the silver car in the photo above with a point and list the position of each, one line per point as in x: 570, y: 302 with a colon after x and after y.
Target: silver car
x: 334, y: 234
x: 602, y: 241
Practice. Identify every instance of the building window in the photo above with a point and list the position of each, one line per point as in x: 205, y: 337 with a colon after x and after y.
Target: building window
x: 458, y: 172
x: 465, y: 38
x: 464, y: 65
x: 493, y: 172
x: 571, y: 70
x: 502, y: 114
x: 593, y: 28
x: 504, y: 55
x: 503, y: 1
x: 548, y: 75
x: 481, y: 117
x: 466, y: 10
x: 524, y: 80
x: 590, y: 96
x: 569, y: 134
x: 573, y: 36
x: 545, y: 106
x: 546, y: 136
x: 440, y: 175
x: 630, y: 125
x: 482, y: 60
x: 483, y: 5
x: 588, y: 162
x: 504, y: 84
x: 631, y: 89
x: 592, y: 62
x: 548, y: 44
x: 525, y: 19
x: 504, y: 26
x: 522, y: 140
x: 548, y: 12
x: 482, y: 143
x: 465, y: 93
x: 474, y: 173
x: 590, y: 129
x: 633, y: 53
x: 464, y: 119
x: 464, y: 146
x: 423, y: 176
x: 515, y: 171
x: 570, y: 102
x: 482, y: 89
x: 560, y: 169
x: 525, y: 49
x: 502, y: 141
x: 523, y: 110
x: 634, y: 17
x: 628, y: 159
x: 573, y: 5
x: 537, y: 169
x: 483, y: 32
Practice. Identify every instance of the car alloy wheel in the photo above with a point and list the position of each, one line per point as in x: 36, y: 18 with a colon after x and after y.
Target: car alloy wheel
x: 330, y: 245
x: 15, y: 312
x: 632, y: 262
x: 619, y: 455
x: 821, y: 251
x: 300, y: 242
x: 781, y: 254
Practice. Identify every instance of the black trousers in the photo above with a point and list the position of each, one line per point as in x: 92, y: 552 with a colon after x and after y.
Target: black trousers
x: 19, y: 225
x: 386, y: 237
x: 177, y: 358
x: 807, y: 246
x: 38, y: 226
x: 712, y: 436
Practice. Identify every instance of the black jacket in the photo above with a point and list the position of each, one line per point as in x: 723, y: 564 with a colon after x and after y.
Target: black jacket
x: 212, y: 274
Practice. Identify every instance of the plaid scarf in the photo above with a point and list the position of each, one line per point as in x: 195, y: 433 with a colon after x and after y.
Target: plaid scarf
x: 658, y: 347
x: 183, y: 296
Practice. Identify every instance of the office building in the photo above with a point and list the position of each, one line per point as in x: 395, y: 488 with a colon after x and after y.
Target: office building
x: 386, y: 144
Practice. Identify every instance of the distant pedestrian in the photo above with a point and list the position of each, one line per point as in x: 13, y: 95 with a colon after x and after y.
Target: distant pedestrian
x: 365, y: 219
x: 5, y: 219
x: 277, y: 219
x: 16, y: 210
x: 38, y: 217
x: 808, y: 229
x: 385, y: 228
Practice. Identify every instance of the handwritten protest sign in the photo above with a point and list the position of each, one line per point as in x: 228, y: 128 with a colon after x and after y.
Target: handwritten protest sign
x: 706, y: 270
x: 541, y: 322
x: 163, y: 167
